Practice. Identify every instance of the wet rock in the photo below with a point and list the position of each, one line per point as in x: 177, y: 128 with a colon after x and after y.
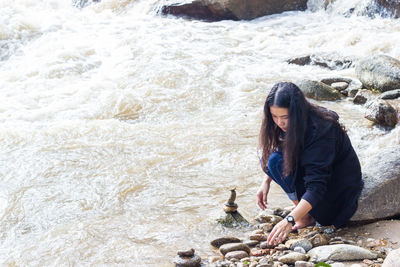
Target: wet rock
x: 319, y: 240
x: 224, y: 240
x: 303, y: 264
x: 341, y: 252
x: 233, y: 247
x: 266, y: 227
x: 187, y: 261
x: 340, y: 86
x: 281, y: 247
x: 393, y: 94
x: 318, y: 91
x: 232, y: 220
x: 329, y: 61
x: 302, y: 60
x: 257, y: 252
x: 251, y: 243
x: 258, y: 231
x: 259, y: 237
x: 267, y: 218
x: 236, y: 255
x: 353, y: 88
x: 362, y: 97
x: 330, y: 81
x: 303, y: 243
x: 392, y: 259
x: 379, y: 72
x: 265, y: 245
x: 292, y: 257
x: 214, y: 10
x: 281, y: 212
x: 381, y: 112
x: 186, y: 253
x: 391, y: 8
x: 299, y: 250
x: 309, y: 234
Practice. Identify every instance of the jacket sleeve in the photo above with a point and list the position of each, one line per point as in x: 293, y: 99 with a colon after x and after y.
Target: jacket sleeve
x: 316, y: 161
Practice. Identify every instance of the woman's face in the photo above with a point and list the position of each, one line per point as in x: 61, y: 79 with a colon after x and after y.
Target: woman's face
x: 280, y: 117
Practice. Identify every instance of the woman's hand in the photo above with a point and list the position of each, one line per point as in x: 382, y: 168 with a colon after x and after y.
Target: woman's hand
x: 279, y: 232
x: 262, y: 193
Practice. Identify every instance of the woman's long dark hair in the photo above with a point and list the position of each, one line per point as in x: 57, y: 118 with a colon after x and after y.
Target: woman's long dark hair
x: 288, y: 95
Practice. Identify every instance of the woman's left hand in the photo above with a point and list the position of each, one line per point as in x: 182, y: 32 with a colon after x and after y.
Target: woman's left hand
x: 279, y: 232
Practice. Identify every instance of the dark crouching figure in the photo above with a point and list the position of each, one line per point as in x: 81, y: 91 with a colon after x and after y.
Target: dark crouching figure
x: 308, y: 153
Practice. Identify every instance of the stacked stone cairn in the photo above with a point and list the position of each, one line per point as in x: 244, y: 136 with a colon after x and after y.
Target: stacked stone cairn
x: 307, y: 247
x: 187, y: 258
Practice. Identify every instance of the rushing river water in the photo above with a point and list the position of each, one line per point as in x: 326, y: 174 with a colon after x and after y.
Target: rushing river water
x: 123, y: 131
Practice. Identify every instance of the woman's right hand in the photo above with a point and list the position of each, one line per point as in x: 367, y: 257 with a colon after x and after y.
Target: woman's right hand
x: 262, y: 193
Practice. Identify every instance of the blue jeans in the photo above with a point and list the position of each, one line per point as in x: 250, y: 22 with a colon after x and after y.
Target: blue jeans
x: 275, y: 171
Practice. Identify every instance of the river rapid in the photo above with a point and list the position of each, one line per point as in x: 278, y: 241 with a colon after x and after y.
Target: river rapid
x: 122, y: 131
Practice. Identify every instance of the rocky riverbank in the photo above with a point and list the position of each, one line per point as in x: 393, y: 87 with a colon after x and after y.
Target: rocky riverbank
x: 372, y: 245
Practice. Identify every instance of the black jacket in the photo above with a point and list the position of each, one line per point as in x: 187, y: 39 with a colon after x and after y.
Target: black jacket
x: 328, y: 175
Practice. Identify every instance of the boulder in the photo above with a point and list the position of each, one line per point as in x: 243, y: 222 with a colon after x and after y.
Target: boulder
x: 215, y: 10
x: 379, y: 72
x: 392, y: 259
x: 391, y: 94
x: 381, y: 112
x: 341, y: 252
x: 380, y: 197
x: 318, y: 91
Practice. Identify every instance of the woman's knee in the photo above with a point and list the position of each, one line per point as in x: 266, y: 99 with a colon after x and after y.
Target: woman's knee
x: 275, y: 159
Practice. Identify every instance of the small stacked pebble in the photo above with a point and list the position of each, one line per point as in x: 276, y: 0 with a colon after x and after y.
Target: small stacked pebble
x: 187, y: 258
x: 306, y: 248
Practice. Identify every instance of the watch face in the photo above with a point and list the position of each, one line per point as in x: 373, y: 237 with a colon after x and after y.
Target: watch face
x: 290, y: 219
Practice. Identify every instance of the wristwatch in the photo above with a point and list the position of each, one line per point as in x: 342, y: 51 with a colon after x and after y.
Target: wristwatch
x: 290, y: 219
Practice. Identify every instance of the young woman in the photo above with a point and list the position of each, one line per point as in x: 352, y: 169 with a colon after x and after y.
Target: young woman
x: 308, y: 153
